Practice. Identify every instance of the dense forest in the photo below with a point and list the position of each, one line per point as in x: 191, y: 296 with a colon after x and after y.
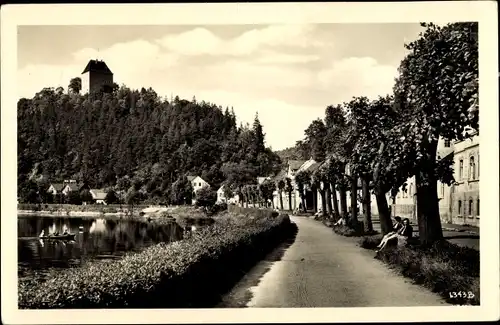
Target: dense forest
x: 129, y: 139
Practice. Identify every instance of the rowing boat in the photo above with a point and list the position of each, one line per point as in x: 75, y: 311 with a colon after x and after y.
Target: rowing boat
x: 59, y: 237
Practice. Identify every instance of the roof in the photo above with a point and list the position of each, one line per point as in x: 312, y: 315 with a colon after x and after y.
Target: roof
x: 261, y: 180
x: 58, y: 186
x: 73, y: 186
x: 313, y: 167
x: 98, y: 194
x: 190, y: 178
x: 97, y: 66
x: 281, y: 175
x: 295, y: 164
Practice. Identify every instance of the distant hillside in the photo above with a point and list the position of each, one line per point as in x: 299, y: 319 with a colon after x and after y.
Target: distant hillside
x: 289, y: 154
x: 134, y: 139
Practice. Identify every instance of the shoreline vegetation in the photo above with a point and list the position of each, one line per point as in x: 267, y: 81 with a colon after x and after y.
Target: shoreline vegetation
x: 193, y: 272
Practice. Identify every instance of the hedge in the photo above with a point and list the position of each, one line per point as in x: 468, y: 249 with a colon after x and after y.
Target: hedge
x: 264, y: 213
x: 193, y: 272
x: 444, y: 268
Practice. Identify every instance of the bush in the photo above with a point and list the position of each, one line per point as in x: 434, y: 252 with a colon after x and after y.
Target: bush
x: 190, y: 273
x: 259, y: 213
x: 357, y: 231
x: 443, y: 267
x: 206, y: 197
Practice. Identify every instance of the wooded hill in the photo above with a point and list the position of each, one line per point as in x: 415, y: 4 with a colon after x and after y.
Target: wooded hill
x: 130, y: 138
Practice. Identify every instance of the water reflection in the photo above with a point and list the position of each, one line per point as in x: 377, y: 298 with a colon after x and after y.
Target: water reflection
x: 95, y: 239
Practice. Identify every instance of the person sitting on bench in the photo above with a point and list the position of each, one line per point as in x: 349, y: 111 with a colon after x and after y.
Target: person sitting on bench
x: 396, y: 227
x: 406, y: 231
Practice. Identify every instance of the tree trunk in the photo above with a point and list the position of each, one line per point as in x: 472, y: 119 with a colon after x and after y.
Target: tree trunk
x: 336, y: 213
x: 343, y: 203
x: 323, y: 203
x: 290, y: 201
x: 328, y: 195
x: 383, y: 211
x: 281, y: 200
x: 354, y: 202
x: 303, y: 200
x: 429, y: 222
x: 315, y: 200
x: 367, y: 212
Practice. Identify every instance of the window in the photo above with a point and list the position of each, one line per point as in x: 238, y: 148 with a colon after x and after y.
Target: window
x: 472, y: 168
x: 447, y: 143
x: 459, y: 207
x: 199, y: 184
x: 442, y: 190
x: 470, y: 206
x: 477, y: 208
x: 461, y: 169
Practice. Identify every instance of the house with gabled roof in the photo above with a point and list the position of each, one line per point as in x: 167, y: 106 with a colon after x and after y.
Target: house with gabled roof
x: 197, y: 183
x: 56, y: 188
x: 98, y: 196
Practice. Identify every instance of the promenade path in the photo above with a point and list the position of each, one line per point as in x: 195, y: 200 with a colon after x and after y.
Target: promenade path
x: 323, y: 269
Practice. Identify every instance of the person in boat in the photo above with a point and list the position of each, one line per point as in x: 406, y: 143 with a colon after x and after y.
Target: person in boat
x: 404, y: 230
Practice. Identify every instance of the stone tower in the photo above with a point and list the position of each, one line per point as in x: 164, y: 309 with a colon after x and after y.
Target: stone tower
x: 96, y: 77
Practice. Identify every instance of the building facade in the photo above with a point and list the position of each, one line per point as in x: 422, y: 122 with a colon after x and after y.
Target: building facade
x: 458, y: 203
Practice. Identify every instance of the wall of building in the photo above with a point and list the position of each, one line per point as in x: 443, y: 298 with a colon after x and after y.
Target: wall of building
x: 93, y: 81
x: 454, y: 201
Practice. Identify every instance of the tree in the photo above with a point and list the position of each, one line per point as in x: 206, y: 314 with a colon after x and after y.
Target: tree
x: 206, y: 197
x: 75, y: 85
x: 303, y: 179
x: 335, y: 142
x: 228, y: 192
x: 182, y: 191
x: 111, y: 197
x: 361, y: 133
x: 266, y: 190
x: 74, y: 198
x: 315, y: 140
x: 289, y: 190
x: 85, y: 196
x: 437, y: 94
x: 281, y: 185
x: 319, y: 177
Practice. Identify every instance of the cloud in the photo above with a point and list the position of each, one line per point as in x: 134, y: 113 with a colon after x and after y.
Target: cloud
x: 288, y: 86
x: 284, y: 123
x: 201, y: 41
x: 358, y: 76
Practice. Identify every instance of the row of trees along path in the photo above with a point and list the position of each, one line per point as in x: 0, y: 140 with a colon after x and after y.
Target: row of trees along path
x: 385, y: 141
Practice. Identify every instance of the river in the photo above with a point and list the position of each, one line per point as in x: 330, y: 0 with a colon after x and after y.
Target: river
x: 96, y: 238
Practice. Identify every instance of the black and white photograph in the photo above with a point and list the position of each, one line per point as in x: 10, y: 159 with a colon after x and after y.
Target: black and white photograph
x: 216, y: 158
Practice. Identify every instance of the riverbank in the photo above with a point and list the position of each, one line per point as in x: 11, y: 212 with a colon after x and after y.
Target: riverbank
x: 193, y: 272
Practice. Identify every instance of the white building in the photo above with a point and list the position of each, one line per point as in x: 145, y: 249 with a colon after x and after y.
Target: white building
x: 197, y: 183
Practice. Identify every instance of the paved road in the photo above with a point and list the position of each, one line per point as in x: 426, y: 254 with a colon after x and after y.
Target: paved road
x: 322, y: 269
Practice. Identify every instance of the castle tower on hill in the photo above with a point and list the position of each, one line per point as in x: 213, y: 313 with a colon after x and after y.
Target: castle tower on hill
x: 96, y: 77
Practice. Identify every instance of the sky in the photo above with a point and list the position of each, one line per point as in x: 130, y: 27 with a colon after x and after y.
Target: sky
x: 288, y: 74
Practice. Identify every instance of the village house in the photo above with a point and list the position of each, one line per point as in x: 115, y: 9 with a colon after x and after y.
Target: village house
x: 221, y: 197
x: 458, y: 203
x: 98, y: 196
x: 197, y: 183
x: 66, y: 187
x: 56, y: 188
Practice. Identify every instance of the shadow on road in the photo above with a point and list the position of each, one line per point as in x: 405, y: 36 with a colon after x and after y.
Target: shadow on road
x: 240, y: 295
